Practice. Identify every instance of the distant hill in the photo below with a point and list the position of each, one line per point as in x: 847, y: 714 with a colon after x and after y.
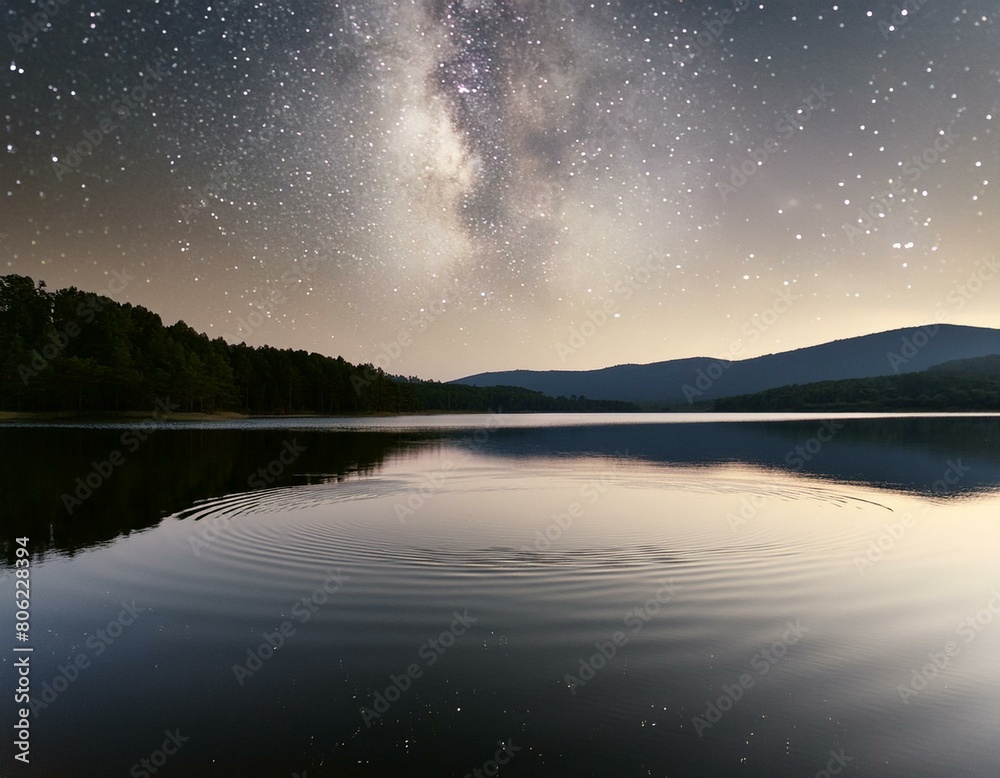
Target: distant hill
x: 962, y: 385
x: 684, y: 381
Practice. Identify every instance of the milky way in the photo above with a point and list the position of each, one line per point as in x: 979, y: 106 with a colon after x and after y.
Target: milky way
x: 483, y: 179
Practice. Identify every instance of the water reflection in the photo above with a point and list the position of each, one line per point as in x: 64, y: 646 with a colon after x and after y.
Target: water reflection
x: 72, y: 487
x: 702, y: 545
x: 915, y: 454
x: 47, y: 474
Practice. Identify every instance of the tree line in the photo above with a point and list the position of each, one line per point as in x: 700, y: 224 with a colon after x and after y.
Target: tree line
x: 71, y: 350
x: 966, y: 385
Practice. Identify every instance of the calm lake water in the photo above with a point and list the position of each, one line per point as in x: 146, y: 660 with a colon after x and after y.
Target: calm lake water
x: 636, y: 595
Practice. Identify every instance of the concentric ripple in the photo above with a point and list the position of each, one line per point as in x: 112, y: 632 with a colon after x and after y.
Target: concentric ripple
x: 542, y: 519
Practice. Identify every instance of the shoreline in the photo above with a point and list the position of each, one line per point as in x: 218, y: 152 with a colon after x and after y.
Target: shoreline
x: 99, y: 416
x: 112, y: 416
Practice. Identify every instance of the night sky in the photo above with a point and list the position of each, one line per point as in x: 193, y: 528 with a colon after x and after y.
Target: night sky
x: 451, y: 187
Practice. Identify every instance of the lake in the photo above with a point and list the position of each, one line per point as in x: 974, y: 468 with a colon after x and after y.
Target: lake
x: 585, y: 595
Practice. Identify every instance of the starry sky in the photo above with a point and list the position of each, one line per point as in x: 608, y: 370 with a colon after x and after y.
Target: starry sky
x: 444, y: 187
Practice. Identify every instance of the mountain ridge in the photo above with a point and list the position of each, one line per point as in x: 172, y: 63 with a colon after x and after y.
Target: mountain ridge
x: 693, y: 379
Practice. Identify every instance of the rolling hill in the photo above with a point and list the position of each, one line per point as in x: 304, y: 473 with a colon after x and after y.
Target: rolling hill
x: 684, y: 381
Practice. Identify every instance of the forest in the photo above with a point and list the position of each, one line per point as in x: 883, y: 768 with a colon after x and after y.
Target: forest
x: 962, y: 385
x: 71, y: 350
